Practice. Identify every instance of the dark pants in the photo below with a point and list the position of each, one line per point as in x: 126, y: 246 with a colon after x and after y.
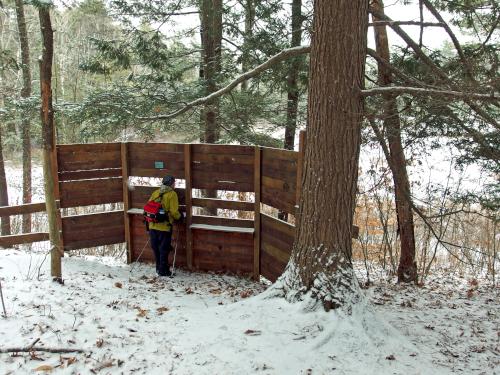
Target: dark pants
x: 161, y: 245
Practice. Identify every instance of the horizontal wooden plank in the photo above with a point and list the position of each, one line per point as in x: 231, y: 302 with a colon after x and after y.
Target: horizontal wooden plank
x: 16, y: 239
x: 277, y: 225
x: 278, y: 184
x: 204, y: 158
x: 278, y: 154
x: 84, y: 231
x: 91, y: 222
x: 93, y: 242
x: 217, y: 228
x: 222, y: 221
x: 152, y: 172
x: 222, y: 149
x: 89, y: 174
x: 75, y: 148
x: 88, y: 156
x: 277, y: 199
x: 222, y: 203
x: 89, y: 192
x: 238, y: 172
x: 136, y: 148
x: 21, y: 209
x: 204, y: 183
x: 223, y: 252
x: 281, y: 255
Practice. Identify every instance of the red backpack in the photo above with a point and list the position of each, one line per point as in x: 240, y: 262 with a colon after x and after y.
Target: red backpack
x: 154, y: 212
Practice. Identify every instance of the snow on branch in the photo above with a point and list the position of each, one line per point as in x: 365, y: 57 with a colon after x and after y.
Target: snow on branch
x: 281, y: 56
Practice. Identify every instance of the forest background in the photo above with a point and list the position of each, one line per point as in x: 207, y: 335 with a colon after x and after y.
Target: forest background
x: 123, y: 70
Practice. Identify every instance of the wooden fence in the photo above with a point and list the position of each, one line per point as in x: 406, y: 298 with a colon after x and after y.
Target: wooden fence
x: 103, y: 174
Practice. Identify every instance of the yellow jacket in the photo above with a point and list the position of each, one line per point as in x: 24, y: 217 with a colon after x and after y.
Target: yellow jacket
x: 170, y: 203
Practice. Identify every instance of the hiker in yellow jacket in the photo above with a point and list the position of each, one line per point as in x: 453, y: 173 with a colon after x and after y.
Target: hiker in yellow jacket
x: 160, y: 234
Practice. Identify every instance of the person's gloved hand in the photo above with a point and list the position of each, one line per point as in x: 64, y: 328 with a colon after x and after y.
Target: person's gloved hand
x: 182, y: 218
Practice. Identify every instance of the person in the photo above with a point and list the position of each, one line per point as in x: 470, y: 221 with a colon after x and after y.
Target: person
x: 160, y: 234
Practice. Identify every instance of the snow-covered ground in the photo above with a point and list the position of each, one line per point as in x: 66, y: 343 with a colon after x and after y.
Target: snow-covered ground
x: 126, y: 321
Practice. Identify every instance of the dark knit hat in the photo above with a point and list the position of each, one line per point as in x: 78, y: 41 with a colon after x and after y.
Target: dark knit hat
x: 168, y: 180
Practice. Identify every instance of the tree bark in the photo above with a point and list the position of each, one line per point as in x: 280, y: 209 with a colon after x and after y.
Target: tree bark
x: 321, y: 256
x: 211, y: 24
x: 48, y: 141
x: 25, y: 121
x: 407, y: 269
x: 249, y: 23
x: 4, y: 195
x: 292, y: 87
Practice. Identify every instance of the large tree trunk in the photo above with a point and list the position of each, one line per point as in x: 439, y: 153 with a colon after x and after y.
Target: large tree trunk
x: 292, y: 88
x: 407, y: 269
x: 48, y: 141
x: 4, y: 195
x: 211, y: 34
x: 248, y: 33
x: 25, y: 121
x: 211, y: 24
x: 321, y: 256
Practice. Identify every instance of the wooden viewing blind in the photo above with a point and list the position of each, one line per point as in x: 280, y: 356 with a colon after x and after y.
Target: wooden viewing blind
x: 110, y: 174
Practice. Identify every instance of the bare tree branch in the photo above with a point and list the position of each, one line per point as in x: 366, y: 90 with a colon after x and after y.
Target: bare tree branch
x: 283, y: 55
x: 439, y: 73
x: 429, y: 91
x: 454, y: 39
x: 409, y: 23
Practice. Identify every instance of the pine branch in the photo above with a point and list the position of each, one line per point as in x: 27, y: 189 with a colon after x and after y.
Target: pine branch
x: 454, y: 39
x: 281, y: 56
x: 439, y: 73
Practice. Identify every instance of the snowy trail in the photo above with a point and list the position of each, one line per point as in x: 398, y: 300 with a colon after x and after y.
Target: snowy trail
x: 133, y: 323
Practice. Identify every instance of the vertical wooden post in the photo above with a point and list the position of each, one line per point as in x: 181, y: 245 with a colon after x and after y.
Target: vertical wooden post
x: 300, y: 168
x: 256, y: 223
x: 57, y: 193
x: 189, y: 211
x: 126, y: 199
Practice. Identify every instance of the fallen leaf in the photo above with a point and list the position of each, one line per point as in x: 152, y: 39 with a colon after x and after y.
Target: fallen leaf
x: 246, y: 293
x: 35, y: 357
x: 188, y: 290
x: 161, y: 310
x: 215, y: 291
x: 142, y: 313
x: 71, y: 361
x: 118, y: 284
x: 99, y: 342
x: 44, y: 368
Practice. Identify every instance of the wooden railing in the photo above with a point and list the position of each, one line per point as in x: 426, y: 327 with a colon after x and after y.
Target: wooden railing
x: 23, y: 209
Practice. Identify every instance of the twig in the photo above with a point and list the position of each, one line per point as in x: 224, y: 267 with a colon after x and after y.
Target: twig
x: 33, y: 343
x: 31, y: 348
x: 3, y: 303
